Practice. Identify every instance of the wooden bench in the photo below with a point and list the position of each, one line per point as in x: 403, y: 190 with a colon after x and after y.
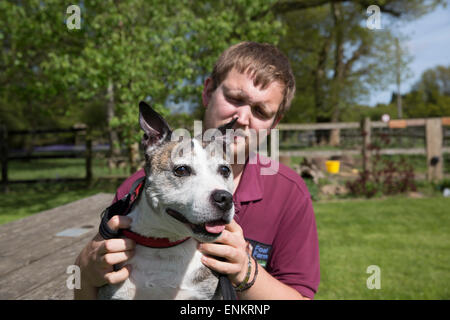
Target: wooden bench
x: 36, y: 251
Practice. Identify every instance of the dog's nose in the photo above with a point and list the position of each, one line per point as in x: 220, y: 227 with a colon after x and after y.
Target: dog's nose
x: 222, y: 199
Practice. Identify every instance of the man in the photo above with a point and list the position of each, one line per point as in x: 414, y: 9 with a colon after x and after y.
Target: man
x: 252, y: 82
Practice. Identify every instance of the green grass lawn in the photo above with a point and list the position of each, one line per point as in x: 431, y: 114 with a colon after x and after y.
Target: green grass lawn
x: 408, y: 239
x: 59, y: 168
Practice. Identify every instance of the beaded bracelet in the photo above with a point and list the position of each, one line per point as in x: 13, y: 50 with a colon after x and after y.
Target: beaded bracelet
x: 251, y: 283
x: 244, y: 285
x: 247, y: 277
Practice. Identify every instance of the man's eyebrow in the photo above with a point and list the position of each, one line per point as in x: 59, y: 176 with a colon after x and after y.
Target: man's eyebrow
x: 241, y: 93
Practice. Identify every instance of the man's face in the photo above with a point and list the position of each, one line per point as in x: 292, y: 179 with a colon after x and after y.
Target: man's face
x: 236, y: 96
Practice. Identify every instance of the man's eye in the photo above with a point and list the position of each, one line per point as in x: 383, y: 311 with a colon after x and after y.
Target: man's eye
x: 182, y: 171
x: 224, y: 171
x: 235, y: 100
x: 260, y: 112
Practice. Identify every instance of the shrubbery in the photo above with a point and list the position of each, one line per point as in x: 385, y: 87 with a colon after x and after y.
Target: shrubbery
x: 385, y: 176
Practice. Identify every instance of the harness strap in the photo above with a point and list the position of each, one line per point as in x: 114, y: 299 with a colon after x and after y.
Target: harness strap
x: 121, y: 207
x: 115, y: 209
x: 226, y: 288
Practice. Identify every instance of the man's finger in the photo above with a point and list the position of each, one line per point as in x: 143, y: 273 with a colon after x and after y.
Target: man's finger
x: 224, y: 267
x: 233, y: 226
x: 111, y: 259
x: 117, y: 245
x: 219, y: 250
x: 231, y: 238
x: 119, y: 222
x: 118, y: 276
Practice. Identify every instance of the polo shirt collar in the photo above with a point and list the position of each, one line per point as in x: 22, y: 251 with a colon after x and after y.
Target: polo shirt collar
x: 250, y: 186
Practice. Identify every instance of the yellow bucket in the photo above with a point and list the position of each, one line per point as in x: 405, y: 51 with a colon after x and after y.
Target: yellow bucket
x: 332, y: 166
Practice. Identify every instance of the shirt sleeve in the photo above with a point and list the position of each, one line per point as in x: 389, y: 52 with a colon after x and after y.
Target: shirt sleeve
x: 295, y: 256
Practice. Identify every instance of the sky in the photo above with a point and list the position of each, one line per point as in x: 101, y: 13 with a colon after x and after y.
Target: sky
x: 428, y: 44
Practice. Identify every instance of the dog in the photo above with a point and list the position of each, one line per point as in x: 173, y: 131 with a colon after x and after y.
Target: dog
x: 187, y: 194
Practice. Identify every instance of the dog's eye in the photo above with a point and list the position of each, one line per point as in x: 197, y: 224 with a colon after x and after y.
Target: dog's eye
x: 182, y: 171
x: 224, y: 171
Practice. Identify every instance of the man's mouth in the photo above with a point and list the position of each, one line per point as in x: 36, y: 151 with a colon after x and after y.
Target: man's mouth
x: 210, y: 228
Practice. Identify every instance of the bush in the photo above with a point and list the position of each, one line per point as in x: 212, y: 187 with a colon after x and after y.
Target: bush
x: 385, y: 176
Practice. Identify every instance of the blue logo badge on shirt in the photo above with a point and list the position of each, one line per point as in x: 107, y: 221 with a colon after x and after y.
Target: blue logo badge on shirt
x: 261, y: 252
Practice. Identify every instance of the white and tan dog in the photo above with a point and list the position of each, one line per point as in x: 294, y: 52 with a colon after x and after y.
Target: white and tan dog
x: 187, y: 193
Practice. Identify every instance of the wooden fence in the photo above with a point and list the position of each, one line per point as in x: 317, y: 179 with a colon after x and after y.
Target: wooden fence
x: 433, y: 133
x: 6, y: 156
x: 434, y: 149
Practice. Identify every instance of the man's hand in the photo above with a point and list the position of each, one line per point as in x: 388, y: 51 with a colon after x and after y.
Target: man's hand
x: 97, y: 259
x: 230, y: 246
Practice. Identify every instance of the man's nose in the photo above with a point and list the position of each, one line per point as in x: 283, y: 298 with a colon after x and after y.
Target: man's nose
x: 244, y: 113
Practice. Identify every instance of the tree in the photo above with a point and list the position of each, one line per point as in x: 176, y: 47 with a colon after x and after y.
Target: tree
x: 28, y: 99
x: 430, y: 95
x: 125, y: 51
x: 26, y: 34
x: 337, y: 60
x: 154, y: 51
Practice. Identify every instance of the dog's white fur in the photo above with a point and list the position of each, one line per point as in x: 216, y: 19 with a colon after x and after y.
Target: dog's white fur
x: 167, y: 273
x: 175, y: 272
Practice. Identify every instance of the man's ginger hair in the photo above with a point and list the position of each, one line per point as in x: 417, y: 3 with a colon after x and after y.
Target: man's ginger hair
x: 264, y: 62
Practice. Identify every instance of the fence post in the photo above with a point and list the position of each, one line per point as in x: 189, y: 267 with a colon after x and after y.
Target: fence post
x: 366, y: 152
x: 433, y: 131
x: 4, y: 157
x: 77, y: 135
x: 88, y: 157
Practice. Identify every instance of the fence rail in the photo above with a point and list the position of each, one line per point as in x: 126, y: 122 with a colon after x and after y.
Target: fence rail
x: 355, y: 125
x: 6, y: 156
x: 433, y: 134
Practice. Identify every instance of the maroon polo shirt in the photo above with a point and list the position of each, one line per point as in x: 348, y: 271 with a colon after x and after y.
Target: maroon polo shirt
x: 276, y: 214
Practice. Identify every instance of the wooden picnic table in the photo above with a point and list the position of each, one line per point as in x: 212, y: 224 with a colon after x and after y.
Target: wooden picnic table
x: 36, y: 251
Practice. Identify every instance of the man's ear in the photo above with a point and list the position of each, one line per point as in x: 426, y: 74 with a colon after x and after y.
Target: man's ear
x: 155, y: 127
x: 207, y: 91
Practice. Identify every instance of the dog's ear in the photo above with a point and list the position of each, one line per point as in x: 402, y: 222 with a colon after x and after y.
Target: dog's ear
x: 229, y: 125
x: 155, y: 127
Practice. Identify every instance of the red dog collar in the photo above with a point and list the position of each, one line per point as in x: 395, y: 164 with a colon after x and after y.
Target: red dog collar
x: 152, y: 242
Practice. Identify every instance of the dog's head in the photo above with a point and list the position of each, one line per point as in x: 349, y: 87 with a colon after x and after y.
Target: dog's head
x: 189, y: 182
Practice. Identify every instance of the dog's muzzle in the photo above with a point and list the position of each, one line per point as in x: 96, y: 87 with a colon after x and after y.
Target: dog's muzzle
x: 222, y: 200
